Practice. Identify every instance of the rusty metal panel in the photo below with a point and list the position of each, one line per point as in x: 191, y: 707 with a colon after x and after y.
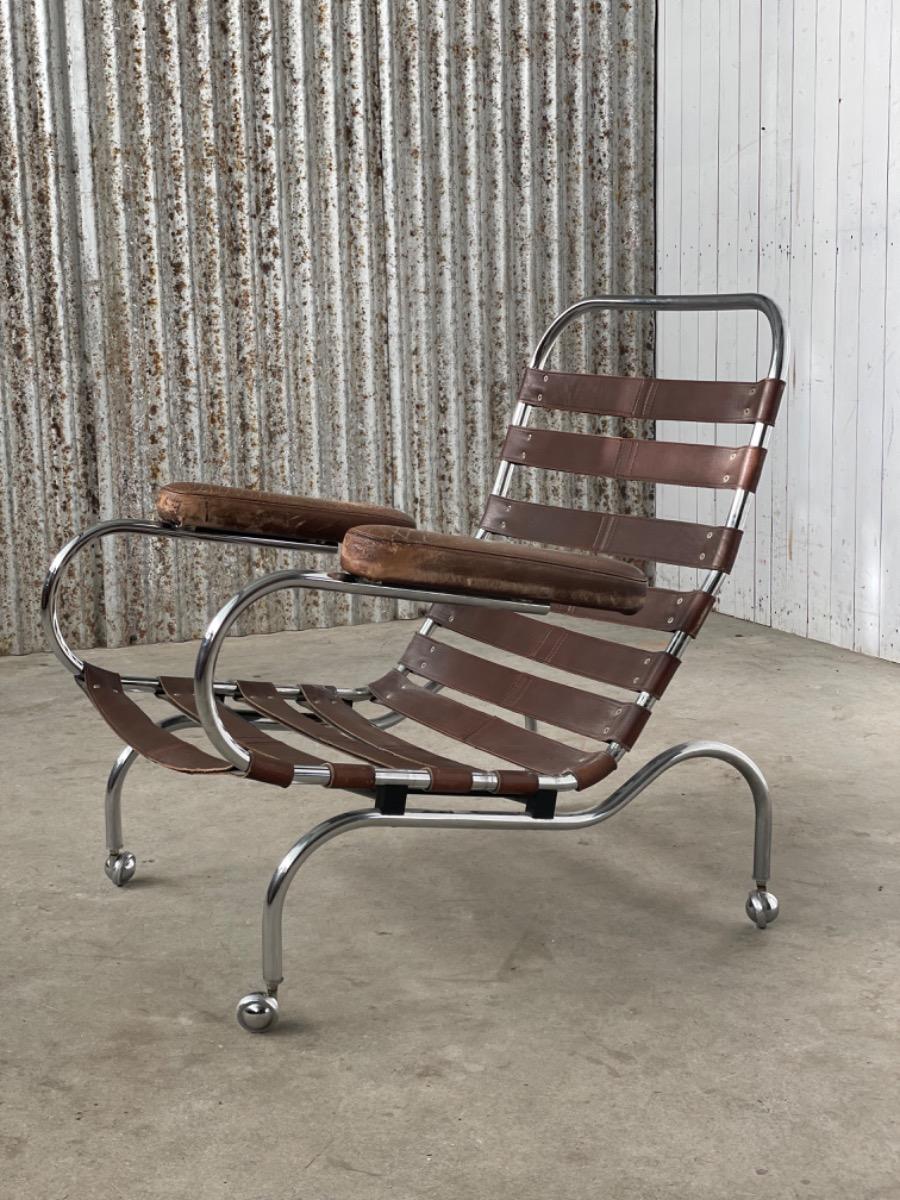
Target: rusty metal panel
x: 301, y: 246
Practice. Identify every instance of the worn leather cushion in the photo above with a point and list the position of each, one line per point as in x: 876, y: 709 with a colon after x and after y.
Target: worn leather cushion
x: 443, y: 562
x: 267, y: 514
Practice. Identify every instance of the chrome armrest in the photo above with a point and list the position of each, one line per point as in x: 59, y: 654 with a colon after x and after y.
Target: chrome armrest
x: 50, y: 590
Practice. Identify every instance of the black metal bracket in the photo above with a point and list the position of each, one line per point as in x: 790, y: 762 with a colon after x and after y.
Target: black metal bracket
x: 390, y: 799
x: 542, y: 805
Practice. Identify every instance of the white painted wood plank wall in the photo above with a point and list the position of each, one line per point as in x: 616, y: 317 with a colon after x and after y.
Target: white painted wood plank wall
x: 779, y: 171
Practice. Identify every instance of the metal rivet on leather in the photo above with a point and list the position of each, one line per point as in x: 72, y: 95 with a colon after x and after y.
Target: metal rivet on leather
x: 702, y: 557
x: 670, y: 620
x: 502, y: 524
x: 546, y: 379
x: 646, y: 662
x: 680, y: 600
x: 637, y: 679
x: 710, y: 535
x: 540, y: 395
x: 725, y: 478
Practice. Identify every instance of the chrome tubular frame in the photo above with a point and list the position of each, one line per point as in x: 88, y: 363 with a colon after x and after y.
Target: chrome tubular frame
x: 735, y: 302
x: 431, y: 819
x: 258, y: 1011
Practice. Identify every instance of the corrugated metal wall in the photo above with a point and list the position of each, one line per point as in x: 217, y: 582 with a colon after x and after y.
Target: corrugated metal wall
x: 779, y: 170
x: 301, y: 246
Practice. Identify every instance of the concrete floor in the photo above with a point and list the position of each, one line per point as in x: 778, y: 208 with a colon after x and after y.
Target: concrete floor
x: 466, y: 1015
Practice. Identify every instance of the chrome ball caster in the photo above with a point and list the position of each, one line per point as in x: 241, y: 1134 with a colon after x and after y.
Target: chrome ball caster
x: 120, y: 867
x: 257, y: 1012
x: 761, y: 908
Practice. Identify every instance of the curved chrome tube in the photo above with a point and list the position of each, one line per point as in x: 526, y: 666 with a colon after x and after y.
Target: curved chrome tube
x: 579, y: 819
x: 727, y: 302
x: 50, y: 590
x: 73, y: 663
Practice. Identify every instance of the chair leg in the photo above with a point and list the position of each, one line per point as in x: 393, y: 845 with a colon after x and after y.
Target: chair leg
x: 762, y: 905
x: 120, y: 863
x: 258, y: 1011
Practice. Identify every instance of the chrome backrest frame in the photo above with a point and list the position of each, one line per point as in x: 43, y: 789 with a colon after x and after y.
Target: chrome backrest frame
x: 727, y: 302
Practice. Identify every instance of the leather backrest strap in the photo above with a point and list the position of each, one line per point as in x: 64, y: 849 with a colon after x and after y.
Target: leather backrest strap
x: 566, y: 649
x: 653, y: 399
x: 476, y: 727
x: 664, y: 609
x: 556, y: 704
x: 635, y: 458
x: 678, y: 542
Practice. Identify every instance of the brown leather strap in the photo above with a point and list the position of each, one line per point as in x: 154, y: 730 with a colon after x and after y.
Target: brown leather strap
x: 265, y: 699
x: 653, y: 399
x: 380, y: 740
x: 352, y: 776
x: 366, y: 740
x: 594, y: 770
x: 271, y: 761
x: 566, y: 649
x: 447, y: 777
x: 517, y: 783
x: 664, y: 609
x: 476, y: 728
x: 554, y: 703
x: 265, y: 768
x: 635, y: 458
x: 336, y: 724
x: 180, y: 692
x: 133, y: 725
x: 679, y: 542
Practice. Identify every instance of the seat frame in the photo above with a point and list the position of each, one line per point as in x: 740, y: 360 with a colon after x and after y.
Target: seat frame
x: 259, y: 1011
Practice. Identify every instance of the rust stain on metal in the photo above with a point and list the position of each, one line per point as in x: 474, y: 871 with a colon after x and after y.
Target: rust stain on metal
x: 304, y: 247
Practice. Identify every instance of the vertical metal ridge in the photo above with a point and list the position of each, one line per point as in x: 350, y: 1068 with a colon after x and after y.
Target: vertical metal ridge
x: 300, y: 247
